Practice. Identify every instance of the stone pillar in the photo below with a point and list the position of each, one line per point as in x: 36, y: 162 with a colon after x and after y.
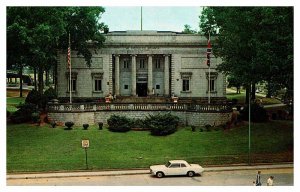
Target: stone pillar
x: 166, y: 75
x: 150, y: 76
x: 117, y: 75
x: 133, y: 75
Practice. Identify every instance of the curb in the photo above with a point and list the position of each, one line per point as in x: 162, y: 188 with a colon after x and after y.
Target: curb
x: 136, y: 172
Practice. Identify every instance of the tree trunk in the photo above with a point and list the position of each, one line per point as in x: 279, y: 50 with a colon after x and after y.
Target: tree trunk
x: 41, y: 80
x: 35, y: 80
x: 55, y: 77
x: 47, y: 77
x: 21, y: 80
x: 253, y: 92
x: 269, y: 89
x: 247, y: 94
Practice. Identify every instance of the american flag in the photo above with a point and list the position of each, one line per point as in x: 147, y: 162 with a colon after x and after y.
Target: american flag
x: 208, y: 52
x: 69, y: 57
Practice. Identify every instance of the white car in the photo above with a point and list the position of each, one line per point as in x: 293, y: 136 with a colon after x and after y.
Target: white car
x: 176, y: 167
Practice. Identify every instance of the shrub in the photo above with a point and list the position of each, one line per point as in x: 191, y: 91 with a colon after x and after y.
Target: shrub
x: 36, y: 98
x: 85, y: 126
x: 53, y: 124
x: 258, y: 113
x: 100, y: 124
x: 208, y: 127
x: 162, y: 124
x: 50, y: 94
x: 24, y: 113
x: 119, y: 123
x: 193, y: 128
x: 69, y: 125
x: 35, y: 117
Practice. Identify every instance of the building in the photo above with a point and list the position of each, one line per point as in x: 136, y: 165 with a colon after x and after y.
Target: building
x: 144, y: 64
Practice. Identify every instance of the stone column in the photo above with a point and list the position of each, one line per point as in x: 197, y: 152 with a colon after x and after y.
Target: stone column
x: 166, y: 75
x: 117, y: 75
x: 133, y: 75
x: 150, y: 76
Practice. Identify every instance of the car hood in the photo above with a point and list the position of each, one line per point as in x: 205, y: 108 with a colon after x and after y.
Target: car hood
x: 155, y: 167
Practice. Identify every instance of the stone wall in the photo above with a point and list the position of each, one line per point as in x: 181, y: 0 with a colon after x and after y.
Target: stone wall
x: 186, y: 118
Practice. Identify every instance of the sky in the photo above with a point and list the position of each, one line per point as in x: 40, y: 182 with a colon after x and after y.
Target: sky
x: 166, y: 18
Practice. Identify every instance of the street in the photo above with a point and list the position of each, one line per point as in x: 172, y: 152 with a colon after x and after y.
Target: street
x: 282, y: 177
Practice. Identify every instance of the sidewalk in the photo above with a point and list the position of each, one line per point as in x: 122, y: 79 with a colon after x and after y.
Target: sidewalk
x: 137, y: 171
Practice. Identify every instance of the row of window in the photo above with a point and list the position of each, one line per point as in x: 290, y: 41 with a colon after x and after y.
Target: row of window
x: 98, y: 85
x: 142, y: 64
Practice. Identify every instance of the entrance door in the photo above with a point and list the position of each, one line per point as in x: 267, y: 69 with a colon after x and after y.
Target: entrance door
x: 141, y: 89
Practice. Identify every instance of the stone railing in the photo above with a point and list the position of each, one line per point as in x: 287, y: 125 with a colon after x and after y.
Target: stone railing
x: 84, y: 107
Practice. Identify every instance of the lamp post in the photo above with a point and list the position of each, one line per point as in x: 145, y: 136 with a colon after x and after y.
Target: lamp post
x: 249, y: 128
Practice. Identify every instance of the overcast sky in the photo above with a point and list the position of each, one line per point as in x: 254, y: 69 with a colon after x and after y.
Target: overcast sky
x: 154, y: 18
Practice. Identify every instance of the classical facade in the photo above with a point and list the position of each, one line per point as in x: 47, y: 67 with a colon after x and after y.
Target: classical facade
x: 144, y: 64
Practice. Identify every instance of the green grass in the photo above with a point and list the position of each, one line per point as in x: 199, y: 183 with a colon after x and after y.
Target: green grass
x: 12, y: 102
x: 242, y: 96
x: 31, y: 148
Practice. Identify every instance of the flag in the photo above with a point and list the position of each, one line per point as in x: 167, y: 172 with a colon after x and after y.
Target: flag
x: 69, y: 53
x: 208, y: 52
x: 69, y: 57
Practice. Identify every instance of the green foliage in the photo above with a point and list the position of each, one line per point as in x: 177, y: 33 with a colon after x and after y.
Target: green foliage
x: 35, y: 117
x: 69, y: 125
x: 50, y: 94
x: 85, y: 126
x: 36, y: 98
x: 24, y: 113
x: 257, y: 113
x: 162, y: 124
x: 250, y: 41
x: 187, y: 29
x: 119, y: 123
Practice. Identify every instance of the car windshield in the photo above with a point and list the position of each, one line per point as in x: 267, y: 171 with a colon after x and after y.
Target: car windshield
x: 168, y: 164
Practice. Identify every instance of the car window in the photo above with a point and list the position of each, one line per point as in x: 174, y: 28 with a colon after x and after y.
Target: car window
x: 175, y: 165
x: 183, y: 165
x: 168, y: 164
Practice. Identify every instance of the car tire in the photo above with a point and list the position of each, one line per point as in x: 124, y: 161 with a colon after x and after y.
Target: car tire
x: 159, y: 174
x: 190, y: 173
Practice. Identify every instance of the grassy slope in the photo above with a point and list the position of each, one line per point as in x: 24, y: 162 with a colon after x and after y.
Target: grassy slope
x: 12, y: 102
x: 32, y: 148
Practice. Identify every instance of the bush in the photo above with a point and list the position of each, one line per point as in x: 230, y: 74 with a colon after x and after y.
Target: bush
x: 208, y: 127
x: 50, y: 94
x: 24, y: 113
x: 53, y: 124
x: 36, y: 98
x: 258, y: 113
x: 69, y: 125
x: 119, y: 123
x: 85, y: 126
x: 35, y: 117
x: 162, y: 124
x: 100, y: 124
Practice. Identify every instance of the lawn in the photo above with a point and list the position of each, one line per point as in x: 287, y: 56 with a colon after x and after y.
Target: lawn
x: 12, y: 102
x: 242, y: 96
x: 32, y: 148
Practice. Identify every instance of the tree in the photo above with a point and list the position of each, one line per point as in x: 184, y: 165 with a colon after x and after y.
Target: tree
x: 187, y: 29
x: 251, y: 40
x: 35, y: 34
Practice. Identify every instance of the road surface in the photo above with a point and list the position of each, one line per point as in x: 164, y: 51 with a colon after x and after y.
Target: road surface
x: 282, y: 177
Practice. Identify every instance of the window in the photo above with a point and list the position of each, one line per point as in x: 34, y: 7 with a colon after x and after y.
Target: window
x: 157, y: 86
x: 211, y: 81
x: 175, y: 165
x: 98, y: 85
x: 142, y: 63
x: 125, y: 86
x: 157, y: 63
x: 126, y: 64
x: 212, y: 85
x: 97, y: 81
x: 183, y: 165
x: 73, y: 85
x: 185, y: 85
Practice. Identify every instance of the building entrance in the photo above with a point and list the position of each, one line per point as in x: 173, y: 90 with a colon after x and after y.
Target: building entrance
x: 141, y: 89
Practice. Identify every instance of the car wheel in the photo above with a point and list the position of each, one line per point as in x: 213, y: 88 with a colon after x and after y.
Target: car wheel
x: 190, y: 173
x: 159, y: 174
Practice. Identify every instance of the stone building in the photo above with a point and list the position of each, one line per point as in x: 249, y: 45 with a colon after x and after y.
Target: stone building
x: 143, y: 64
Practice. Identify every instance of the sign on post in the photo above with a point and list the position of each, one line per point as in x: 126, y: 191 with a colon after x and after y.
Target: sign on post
x: 85, y: 144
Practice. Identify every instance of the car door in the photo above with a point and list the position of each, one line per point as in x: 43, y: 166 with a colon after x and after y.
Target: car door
x: 183, y: 169
x: 174, y: 169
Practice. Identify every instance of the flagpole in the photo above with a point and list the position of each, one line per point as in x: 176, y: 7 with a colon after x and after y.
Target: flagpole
x: 70, y: 78
x: 249, y: 128
x: 209, y: 75
x: 141, y: 18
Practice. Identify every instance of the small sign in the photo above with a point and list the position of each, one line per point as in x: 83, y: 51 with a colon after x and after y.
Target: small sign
x: 85, y: 143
